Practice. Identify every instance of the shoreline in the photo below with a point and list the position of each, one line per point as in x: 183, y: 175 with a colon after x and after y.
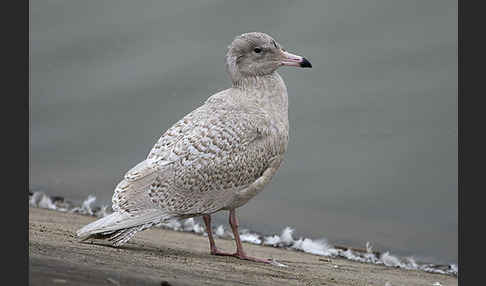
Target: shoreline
x: 283, y: 240
x: 180, y: 258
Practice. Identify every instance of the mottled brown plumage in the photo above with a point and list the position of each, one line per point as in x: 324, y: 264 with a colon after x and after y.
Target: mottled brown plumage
x: 217, y: 157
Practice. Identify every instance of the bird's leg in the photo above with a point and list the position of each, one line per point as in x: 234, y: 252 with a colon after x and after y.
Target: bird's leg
x: 212, y: 244
x: 239, y: 247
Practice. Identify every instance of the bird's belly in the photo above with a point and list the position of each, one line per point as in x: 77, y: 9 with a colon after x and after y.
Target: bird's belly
x: 243, y: 195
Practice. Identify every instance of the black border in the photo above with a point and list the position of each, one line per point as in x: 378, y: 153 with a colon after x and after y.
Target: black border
x: 15, y: 142
x: 471, y: 145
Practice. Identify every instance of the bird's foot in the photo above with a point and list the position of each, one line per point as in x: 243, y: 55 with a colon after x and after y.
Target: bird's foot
x: 240, y: 255
x: 218, y: 252
x: 243, y: 256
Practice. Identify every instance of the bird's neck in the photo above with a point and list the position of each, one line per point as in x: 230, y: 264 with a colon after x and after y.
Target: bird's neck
x: 258, y: 82
x: 269, y: 91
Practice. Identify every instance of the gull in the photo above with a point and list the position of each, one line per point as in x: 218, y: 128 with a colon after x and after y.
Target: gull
x: 215, y: 158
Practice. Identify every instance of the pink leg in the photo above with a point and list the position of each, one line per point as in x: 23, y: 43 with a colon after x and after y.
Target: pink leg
x: 212, y: 244
x: 239, y: 247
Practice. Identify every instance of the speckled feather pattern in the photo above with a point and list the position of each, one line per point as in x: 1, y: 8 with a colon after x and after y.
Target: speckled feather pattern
x: 212, y: 158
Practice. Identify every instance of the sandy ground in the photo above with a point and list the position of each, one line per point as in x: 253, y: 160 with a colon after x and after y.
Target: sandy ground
x: 165, y: 257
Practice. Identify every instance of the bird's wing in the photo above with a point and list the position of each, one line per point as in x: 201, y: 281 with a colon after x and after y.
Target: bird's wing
x: 210, y: 152
x: 194, y: 164
x: 131, y: 193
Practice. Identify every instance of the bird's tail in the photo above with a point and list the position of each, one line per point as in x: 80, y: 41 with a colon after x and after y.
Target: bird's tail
x: 119, y: 227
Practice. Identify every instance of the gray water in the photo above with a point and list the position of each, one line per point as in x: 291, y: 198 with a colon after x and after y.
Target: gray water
x: 373, y: 140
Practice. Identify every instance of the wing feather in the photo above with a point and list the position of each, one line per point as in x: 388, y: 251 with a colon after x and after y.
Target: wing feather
x: 199, y: 162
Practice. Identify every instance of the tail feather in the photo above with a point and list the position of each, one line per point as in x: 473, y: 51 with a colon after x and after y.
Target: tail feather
x: 120, y: 227
x: 122, y: 236
x: 119, y: 237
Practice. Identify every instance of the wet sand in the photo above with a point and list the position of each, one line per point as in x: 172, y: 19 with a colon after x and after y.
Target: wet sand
x: 165, y: 257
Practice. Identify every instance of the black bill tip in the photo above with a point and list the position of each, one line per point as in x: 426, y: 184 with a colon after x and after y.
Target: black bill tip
x: 305, y: 63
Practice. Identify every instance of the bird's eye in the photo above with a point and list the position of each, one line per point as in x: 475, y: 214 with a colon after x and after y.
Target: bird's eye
x: 257, y: 50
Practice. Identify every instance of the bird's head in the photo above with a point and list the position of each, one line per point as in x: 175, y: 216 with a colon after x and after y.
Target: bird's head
x: 258, y: 54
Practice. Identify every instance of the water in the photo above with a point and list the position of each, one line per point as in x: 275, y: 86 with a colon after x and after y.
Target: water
x: 373, y: 140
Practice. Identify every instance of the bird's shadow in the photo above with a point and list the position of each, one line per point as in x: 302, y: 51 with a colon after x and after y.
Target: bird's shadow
x: 149, y: 249
x: 161, y: 251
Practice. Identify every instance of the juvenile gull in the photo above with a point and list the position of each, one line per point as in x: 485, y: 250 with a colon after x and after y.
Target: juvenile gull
x: 217, y: 157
